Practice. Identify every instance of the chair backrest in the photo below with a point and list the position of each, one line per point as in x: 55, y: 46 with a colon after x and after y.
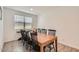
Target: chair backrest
x: 51, y: 32
x: 28, y: 35
x: 39, y: 30
x: 22, y: 33
x: 34, y: 38
x: 44, y: 31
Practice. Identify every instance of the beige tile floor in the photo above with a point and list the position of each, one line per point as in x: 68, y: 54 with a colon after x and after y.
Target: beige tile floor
x: 17, y: 46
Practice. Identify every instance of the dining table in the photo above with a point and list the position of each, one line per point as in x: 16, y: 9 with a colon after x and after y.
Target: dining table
x: 44, y: 40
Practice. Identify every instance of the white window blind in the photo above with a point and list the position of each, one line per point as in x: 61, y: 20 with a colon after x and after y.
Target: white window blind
x: 28, y: 19
x: 20, y: 20
x: 28, y: 22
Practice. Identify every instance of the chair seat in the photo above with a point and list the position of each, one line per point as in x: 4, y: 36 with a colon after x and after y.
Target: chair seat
x: 51, y: 46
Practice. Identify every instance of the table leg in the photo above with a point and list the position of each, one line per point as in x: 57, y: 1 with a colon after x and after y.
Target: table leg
x: 56, y: 44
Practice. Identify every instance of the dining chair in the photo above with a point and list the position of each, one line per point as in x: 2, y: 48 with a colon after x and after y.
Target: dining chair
x: 26, y: 39
x: 34, y: 42
x: 29, y: 40
x: 22, y: 36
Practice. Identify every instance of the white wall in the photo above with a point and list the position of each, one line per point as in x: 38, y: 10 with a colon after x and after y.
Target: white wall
x: 65, y: 20
x: 9, y: 31
x: 1, y: 34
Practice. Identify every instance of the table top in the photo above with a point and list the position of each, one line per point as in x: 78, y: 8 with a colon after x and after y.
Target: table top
x: 43, y: 38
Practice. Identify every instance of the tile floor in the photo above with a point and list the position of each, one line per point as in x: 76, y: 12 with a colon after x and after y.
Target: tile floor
x: 17, y: 46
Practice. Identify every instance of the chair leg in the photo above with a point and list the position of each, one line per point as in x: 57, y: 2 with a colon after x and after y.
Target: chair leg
x: 23, y: 43
x: 26, y: 45
x: 30, y: 48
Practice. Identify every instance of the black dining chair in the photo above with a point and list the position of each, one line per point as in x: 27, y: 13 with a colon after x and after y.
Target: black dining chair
x: 34, y: 42
x: 23, y: 36
x: 29, y: 41
x: 26, y: 39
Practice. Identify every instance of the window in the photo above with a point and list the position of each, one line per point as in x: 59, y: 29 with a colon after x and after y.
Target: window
x: 23, y: 22
x: 28, y: 22
x: 19, y: 20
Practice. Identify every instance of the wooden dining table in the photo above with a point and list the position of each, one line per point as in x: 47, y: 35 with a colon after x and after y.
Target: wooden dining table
x: 44, y: 40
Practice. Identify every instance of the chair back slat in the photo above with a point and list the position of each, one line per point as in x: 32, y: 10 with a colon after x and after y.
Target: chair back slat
x: 44, y: 31
x: 51, y: 32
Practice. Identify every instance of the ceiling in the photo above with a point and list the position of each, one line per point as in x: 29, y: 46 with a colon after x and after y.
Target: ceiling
x: 35, y: 9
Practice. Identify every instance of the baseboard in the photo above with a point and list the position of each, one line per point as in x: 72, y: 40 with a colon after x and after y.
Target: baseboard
x: 2, y: 47
x: 10, y: 41
x: 68, y: 45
